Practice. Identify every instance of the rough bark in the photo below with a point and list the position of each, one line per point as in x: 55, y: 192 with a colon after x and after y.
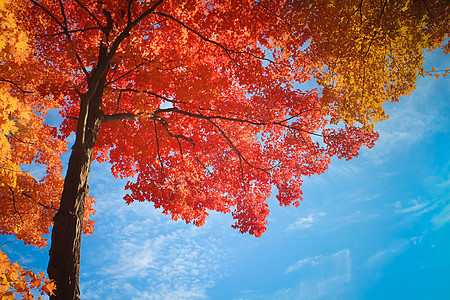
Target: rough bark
x: 64, y: 264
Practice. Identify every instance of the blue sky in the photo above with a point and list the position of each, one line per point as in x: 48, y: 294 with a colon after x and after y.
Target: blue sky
x: 376, y: 227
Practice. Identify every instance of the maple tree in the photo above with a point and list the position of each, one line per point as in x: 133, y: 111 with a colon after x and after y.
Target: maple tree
x: 196, y: 101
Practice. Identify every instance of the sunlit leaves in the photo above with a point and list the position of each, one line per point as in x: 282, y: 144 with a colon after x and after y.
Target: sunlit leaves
x: 369, y: 52
x: 17, y: 280
x: 13, y: 41
x: 27, y: 145
x: 201, y: 106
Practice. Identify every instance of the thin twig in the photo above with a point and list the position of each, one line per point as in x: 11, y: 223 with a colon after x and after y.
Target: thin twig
x: 242, y: 175
x: 14, y: 203
x: 236, y: 150
x: 90, y: 13
x: 157, y: 149
x: 16, y: 85
x: 41, y: 204
x: 126, y: 73
x: 227, y: 51
x: 72, y: 31
x: 66, y: 30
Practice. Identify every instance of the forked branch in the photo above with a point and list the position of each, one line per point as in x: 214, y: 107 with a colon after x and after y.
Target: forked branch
x: 227, y: 50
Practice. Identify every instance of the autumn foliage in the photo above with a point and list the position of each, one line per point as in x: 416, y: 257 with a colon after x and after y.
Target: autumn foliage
x: 197, y: 102
x: 28, y: 204
x: 370, y: 52
x: 16, y: 280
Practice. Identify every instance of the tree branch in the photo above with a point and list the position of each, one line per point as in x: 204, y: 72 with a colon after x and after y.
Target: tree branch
x: 43, y: 205
x: 16, y: 85
x: 236, y: 150
x: 150, y: 93
x: 119, y: 116
x: 157, y: 149
x: 66, y: 30
x: 20, y: 139
x: 227, y: 51
x: 126, y: 32
x: 72, y: 31
x: 176, y: 136
x: 126, y: 73
x: 242, y: 175
x: 90, y: 13
x: 48, y: 13
x: 129, y: 11
x: 14, y: 203
x: 132, y: 116
x: 375, y: 32
x: 118, y: 101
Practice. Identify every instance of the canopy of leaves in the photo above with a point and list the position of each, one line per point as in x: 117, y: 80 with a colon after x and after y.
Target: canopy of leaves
x: 369, y: 52
x: 201, y: 105
x: 27, y: 204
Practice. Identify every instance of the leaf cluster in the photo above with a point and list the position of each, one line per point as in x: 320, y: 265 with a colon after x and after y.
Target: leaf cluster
x: 17, y: 280
x: 370, y: 52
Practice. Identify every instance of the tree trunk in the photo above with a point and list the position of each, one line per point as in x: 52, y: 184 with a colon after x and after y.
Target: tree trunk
x: 64, y: 264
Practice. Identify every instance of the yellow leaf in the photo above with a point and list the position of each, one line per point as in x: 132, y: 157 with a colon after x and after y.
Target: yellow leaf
x: 49, y: 287
x: 7, y: 296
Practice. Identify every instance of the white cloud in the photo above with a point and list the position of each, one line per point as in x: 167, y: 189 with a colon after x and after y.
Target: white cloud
x: 415, y: 207
x: 444, y: 184
x: 388, y: 174
x: 383, y: 256
x: 142, y: 254
x: 345, y: 219
x: 325, y: 276
x: 341, y: 257
x: 310, y: 260
x: 342, y: 169
x: 411, y: 120
x: 16, y: 256
x: 362, y: 197
x: 305, y: 222
x: 442, y: 218
x: 177, y: 265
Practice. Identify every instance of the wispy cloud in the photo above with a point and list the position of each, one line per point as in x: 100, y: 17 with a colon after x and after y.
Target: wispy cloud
x: 383, y: 256
x: 444, y: 184
x: 142, y: 254
x: 362, y: 197
x: 388, y: 174
x: 342, y: 169
x: 324, y: 276
x: 178, y: 265
x: 415, y: 207
x: 411, y: 121
x: 442, y: 218
x: 341, y: 258
x: 22, y: 258
x: 305, y: 222
x: 355, y: 217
